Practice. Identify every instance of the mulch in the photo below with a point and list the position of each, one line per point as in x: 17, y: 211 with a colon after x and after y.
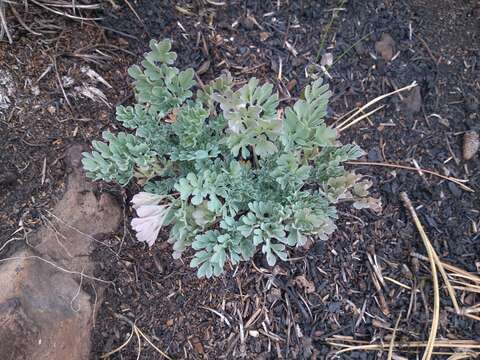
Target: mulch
x: 334, y: 288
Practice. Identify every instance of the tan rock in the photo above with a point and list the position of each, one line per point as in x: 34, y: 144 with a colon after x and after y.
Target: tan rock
x: 44, y: 313
x: 17, y: 331
x: 78, y: 217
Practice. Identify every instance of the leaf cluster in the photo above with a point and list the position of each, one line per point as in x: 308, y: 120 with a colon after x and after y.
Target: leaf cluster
x: 239, y: 174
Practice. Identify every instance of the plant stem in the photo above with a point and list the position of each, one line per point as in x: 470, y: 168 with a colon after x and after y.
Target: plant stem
x: 327, y: 29
x: 350, y: 48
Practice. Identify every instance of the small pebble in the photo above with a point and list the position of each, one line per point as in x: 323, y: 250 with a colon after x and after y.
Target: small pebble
x: 471, y: 104
x: 327, y: 59
x: 203, y: 68
x: 360, y: 49
x: 248, y: 22
x: 334, y: 306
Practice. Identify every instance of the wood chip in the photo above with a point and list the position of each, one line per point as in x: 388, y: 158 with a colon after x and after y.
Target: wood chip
x: 302, y: 281
x: 385, y: 47
x: 471, y: 143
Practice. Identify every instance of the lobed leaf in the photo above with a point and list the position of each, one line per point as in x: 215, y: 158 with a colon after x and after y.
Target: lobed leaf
x: 229, y: 172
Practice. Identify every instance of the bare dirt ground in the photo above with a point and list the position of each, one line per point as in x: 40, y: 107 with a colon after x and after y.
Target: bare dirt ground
x: 255, y: 311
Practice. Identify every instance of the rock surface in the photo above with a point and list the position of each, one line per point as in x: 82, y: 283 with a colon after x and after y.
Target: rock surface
x: 77, y: 218
x: 44, y: 313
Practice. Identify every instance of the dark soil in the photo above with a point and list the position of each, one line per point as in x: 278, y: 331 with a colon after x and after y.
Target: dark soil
x: 38, y: 124
x: 255, y: 311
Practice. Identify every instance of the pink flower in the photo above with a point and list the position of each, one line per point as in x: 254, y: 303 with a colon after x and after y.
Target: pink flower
x: 145, y: 198
x: 149, y: 222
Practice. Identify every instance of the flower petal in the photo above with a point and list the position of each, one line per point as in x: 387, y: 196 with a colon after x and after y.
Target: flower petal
x: 149, y: 222
x: 145, y: 198
x: 150, y: 210
x: 147, y: 229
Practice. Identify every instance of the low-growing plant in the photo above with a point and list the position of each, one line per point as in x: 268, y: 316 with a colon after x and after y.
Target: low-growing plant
x: 228, y: 169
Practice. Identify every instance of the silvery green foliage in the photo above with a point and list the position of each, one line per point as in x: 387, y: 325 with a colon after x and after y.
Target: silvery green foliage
x: 229, y: 171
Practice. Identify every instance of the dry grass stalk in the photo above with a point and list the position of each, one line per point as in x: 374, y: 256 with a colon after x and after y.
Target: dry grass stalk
x: 472, y: 309
x: 57, y: 7
x: 349, y: 344
x: 464, y: 275
x: 449, y: 287
x: 343, y: 116
x: 3, y: 22
x: 433, y: 267
x: 434, y: 264
x: 396, y: 282
x: 474, y: 286
x: 459, y: 182
x: 463, y: 355
x: 20, y: 20
x: 454, y: 271
x: 360, y: 118
x: 351, y: 120
x: 378, y: 281
x: 81, y: 274
x: 467, y: 288
x: 139, y: 334
x: 120, y: 347
x: 470, y: 316
x: 464, y: 284
x: 153, y: 345
x: 52, y: 7
x: 392, y: 340
x: 134, y: 12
